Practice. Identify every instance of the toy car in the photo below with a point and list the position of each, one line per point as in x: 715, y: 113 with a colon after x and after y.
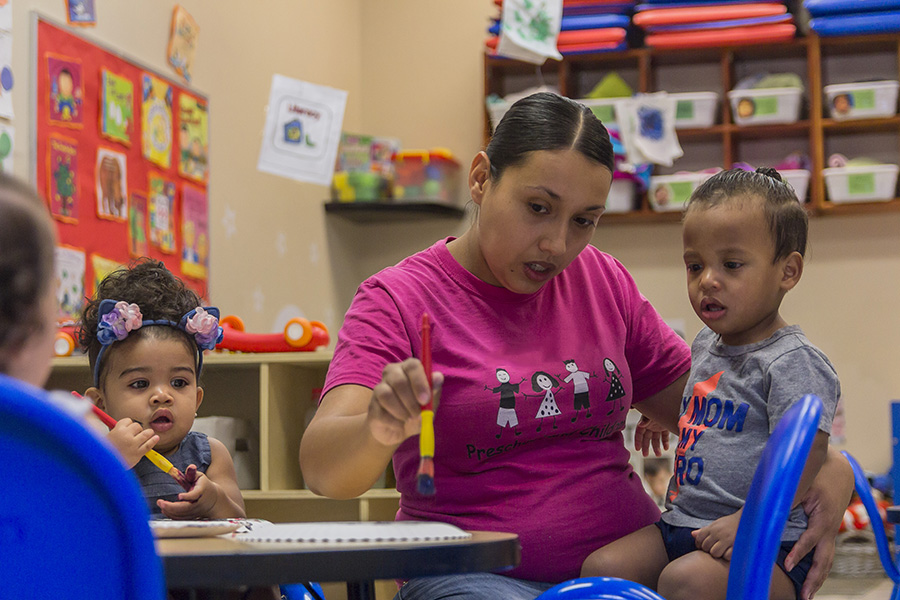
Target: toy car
x: 300, y: 335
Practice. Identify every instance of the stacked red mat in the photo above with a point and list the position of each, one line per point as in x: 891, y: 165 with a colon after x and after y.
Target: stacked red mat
x: 587, y: 26
x: 706, y: 24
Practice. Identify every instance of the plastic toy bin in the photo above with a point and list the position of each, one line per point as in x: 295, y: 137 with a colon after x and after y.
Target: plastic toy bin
x: 863, y: 183
x: 765, y: 105
x: 671, y: 192
x: 604, y: 109
x: 426, y: 175
x: 862, y: 100
x: 695, y: 109
x: 798, y: 179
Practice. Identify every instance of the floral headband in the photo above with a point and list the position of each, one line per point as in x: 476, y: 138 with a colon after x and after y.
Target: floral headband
x: 119, y: 318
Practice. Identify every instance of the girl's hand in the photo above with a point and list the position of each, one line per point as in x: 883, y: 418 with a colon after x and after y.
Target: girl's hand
x: 648, y: 433
x: 717, y: 538
x: 396, y: 403
x: 132, y: 440
x: 195, y: 504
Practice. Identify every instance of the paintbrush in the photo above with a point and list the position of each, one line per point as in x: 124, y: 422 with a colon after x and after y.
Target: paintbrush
x: 152, y: 455
x: 425, y: 476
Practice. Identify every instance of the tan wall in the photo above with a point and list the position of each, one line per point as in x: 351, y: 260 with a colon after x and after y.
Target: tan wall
x: 413, y: 70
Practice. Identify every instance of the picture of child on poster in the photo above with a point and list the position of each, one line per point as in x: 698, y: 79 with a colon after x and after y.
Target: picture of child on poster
x: 66, y: 91
x: 193, y: 138
x: 162, y: 213
x: 62, y: 182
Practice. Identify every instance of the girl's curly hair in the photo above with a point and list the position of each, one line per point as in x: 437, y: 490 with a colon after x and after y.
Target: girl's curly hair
x: 27, y: 246
x: 147, y: 283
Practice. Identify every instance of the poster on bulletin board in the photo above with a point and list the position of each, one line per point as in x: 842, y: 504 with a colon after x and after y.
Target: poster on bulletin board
x: 121, y: 157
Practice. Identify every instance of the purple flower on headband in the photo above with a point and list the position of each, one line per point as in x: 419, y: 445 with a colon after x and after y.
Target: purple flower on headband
x: 205, y: 328
x: 118, y: 322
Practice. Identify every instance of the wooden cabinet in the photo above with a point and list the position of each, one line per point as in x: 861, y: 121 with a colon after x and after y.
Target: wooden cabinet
x: 275, y: 393
x: 818, y: 61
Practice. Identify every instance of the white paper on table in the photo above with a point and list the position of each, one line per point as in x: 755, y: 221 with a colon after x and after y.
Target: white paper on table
x: 303, y: 130
x: 355, y: 532
x: 529, y: 30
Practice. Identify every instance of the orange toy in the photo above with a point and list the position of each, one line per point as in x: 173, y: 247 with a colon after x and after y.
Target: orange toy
x: 300, y: 335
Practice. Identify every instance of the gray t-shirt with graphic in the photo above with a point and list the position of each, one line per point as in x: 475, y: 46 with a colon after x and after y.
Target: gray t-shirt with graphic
x: 734, y: 398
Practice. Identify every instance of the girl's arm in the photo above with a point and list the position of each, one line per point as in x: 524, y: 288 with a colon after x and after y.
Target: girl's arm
x: 349, y: 442
x: 215, y: 494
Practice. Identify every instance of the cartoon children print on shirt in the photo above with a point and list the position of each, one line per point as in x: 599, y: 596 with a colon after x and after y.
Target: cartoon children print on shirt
x: 616, y: 391
x: 543, y: 381
x: 506, y: 415
x: 579, y: 378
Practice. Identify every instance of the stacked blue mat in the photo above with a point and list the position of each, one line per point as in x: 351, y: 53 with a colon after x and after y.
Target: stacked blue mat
x: 853, y: 17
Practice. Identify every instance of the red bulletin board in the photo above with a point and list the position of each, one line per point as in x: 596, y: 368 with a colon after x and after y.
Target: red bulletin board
x: 115, y: 193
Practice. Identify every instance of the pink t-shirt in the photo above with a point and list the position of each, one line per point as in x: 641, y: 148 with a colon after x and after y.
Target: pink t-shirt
x: 528, y: 433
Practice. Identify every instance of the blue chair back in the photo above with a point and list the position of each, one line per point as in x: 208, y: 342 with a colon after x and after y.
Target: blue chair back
x: 73, y: 520
x: 769, y: 500
x: 758, y: 537
x: 881, y: 541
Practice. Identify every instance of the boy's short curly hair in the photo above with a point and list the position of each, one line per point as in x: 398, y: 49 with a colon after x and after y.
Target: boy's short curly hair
x: 149, y: 284
x: 27, y: 246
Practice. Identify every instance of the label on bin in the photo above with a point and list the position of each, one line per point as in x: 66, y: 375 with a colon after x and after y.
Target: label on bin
x: 681, y: 191
x: 859, y: 184
x: 684, y: 109
x: 766, y: 105
x: 605, y: 112
x: 864, y: 99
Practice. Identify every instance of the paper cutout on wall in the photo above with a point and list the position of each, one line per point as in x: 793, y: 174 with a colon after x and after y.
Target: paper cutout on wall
x: 7, y: 146
x: 156, y: 120
x: 66, y: 91
x: 194, y: 232
x: 116, y: 102
x: 102, y: 267
x: 81, y: 13
x: 193, y: 138
x: 161, y: 202
x: 137, y: 225
x: 6, y: 15
x: 70, y: 268
x: 111, y: 177
x: 62, y: 178
x: 182, y: 42
x: 6, y: 75
x: 529, y: 29
x: 303, y: 130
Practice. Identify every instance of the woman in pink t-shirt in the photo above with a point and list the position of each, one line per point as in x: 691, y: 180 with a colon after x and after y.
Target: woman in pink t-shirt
x: 521, y: 291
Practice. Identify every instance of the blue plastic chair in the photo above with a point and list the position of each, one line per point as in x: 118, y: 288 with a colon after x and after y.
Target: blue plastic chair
x: 864, y: 490
x: 73, y: 520
x: 302, y: 591
x: 759, y: 532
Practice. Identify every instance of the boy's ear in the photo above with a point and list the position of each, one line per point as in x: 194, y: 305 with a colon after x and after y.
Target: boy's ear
x: 791, y: 271
x: 93, y: 394
x: 479, y: 176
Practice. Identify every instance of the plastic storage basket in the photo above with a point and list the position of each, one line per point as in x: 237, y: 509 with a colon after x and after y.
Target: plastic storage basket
x: 863, y: 183
x: 862, y: 100
x: 695, y: 109
x: 766, y: 105
x: 856, y: 555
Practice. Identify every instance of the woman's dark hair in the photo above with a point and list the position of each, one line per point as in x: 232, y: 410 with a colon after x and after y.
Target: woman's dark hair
x: 546, y: 121
x: 27, y: 247
x: 159, y: 294
x: 787, y: 219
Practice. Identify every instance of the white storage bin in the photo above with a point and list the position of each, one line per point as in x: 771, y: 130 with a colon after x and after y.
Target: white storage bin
x: 864, y: 183
x: 604, y: 108
x: 241, y: 444
x: 767, y: 105
x: 621, y: 197
x: 798, y: 179
x: 671, y: 192
x: 862, y: 100
x: 496, y: 110
x: 695, y: 109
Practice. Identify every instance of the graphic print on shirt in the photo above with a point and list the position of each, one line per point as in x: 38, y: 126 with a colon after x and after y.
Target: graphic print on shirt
x: 616, y: 390
x: 506, y: 415
x: 701, y: 411
x: 543, y: 381
x: 579, y: 378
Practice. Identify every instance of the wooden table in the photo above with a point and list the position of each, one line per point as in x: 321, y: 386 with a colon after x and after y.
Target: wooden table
x: 219, y: 563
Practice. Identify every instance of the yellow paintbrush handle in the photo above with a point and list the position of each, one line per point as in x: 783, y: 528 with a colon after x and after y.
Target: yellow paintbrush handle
x: 159, y: 460
x: 426, y: 436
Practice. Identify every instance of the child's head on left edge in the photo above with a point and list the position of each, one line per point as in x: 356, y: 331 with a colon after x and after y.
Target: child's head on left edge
x: 744, y: 241
x: 144, y: 332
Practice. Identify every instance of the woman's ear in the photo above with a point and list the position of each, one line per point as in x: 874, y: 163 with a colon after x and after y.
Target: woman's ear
x: 479, y: 176
x: 791, y: 271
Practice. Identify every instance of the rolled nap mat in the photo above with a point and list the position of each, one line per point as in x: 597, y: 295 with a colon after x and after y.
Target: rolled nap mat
x: 686, y: 3
x: 786, y: 18
x: 592, y: 48
x: 857, y: 24
x: 735, y: 36
x: 697, y: 14
x: 581, y: 22
x: 824, y: 8
x: 614, y: 35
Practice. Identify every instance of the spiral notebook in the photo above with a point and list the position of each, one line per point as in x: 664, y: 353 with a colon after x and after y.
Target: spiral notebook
x: 354, y: 532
